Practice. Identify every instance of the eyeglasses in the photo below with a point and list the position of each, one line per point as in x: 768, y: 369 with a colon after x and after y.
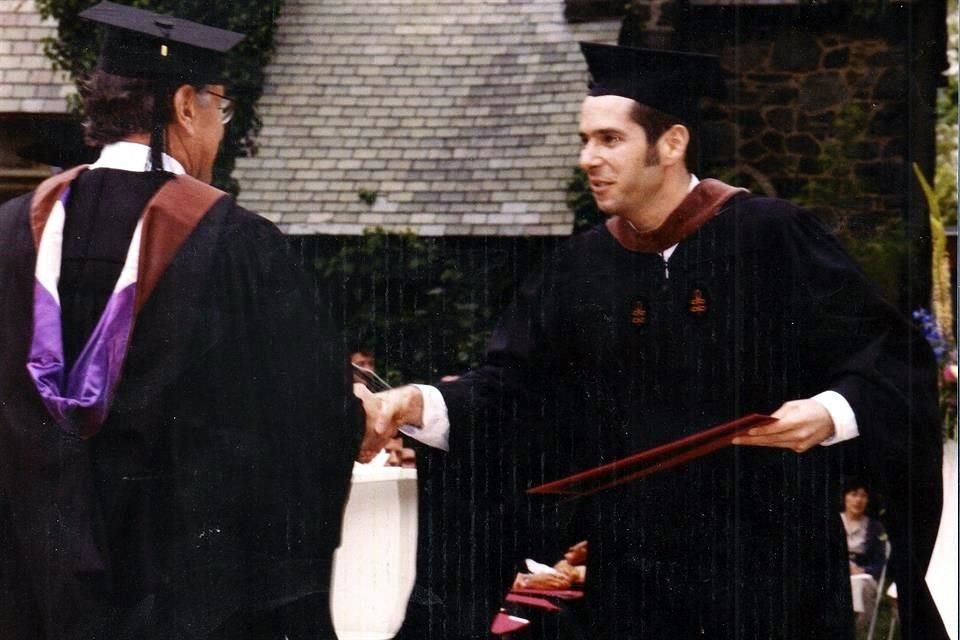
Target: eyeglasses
x: 226, y: 106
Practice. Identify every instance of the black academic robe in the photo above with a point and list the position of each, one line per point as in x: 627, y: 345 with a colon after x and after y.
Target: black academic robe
x: 209, y: 503
x: 621, y: 351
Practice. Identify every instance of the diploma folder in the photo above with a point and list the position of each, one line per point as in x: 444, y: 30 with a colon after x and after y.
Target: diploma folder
x: 645, y: 463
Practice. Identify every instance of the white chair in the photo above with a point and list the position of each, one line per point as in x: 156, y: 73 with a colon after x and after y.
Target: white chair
x: 882, y: 587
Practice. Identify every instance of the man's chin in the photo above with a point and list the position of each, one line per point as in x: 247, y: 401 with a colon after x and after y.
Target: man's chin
x: 605, y: 209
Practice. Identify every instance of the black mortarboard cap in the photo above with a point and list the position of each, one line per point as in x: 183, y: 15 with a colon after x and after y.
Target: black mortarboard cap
x: 669, y: 81
x: 144, y: 44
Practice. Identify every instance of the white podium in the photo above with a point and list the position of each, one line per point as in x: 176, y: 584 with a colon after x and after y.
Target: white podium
x: 375, y: 566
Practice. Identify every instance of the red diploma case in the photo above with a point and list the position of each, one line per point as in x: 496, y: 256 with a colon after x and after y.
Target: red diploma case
x: 651, y: 461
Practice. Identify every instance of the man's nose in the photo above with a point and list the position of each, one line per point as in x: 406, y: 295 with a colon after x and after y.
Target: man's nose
x: 588, y: 156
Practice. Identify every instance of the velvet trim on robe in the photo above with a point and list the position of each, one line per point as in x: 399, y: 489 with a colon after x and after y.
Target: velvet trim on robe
x: 79, y: 396
x: 701, y: 204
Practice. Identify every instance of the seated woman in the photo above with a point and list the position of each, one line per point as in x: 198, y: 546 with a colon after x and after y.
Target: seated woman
x: 866, y: 545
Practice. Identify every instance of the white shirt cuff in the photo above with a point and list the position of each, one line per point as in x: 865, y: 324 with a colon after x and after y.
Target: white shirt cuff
x: 435, y: 431
x: 844, y: 420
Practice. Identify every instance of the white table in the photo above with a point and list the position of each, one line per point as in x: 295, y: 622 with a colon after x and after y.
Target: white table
x: 375, y: 566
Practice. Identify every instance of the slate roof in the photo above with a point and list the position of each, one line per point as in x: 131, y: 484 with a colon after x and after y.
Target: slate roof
x: 452, y: 117
x: 27, y: 82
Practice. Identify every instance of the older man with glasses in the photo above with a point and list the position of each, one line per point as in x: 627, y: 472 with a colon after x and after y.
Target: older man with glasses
x: 176, y: 427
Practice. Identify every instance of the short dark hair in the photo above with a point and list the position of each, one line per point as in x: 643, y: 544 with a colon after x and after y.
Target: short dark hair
x: 655, y: 123
x: 115, y: 106
x: 853, y: 483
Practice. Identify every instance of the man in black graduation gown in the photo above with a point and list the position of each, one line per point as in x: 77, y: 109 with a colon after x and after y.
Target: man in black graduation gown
x: 694, y: 304
x: 176, y: 427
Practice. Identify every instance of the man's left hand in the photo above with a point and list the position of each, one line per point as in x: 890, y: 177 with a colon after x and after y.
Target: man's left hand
x: 800, y: 425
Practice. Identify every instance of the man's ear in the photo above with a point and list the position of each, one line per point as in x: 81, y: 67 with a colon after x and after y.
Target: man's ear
x: 672, y: 144
x: 184, y: 108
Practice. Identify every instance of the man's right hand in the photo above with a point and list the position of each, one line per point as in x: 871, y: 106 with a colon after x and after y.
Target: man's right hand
x: 386, y: 412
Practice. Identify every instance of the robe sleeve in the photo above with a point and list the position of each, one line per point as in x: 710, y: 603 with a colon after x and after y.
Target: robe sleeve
x: 301, y: 379
x: 500, y: 439
x: 879, y: 362
x: 515, y: 362
x: 304, y: 422
x: 868, y: 352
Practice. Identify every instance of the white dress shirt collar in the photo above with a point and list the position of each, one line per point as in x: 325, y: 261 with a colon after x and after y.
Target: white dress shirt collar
x: 133, y: 156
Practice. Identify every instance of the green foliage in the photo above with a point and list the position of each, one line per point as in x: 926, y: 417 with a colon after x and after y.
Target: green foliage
x: 886, y: 618
x: 938, y: 325
x: 367, y: 196
x: 878, y: 243
x: 422, y: 305
x: 581, y: 202
x: 75, y: 51
x: 945, y: 178
x: 866, y: 10
x: 839, y: 186
x: 881, y: 251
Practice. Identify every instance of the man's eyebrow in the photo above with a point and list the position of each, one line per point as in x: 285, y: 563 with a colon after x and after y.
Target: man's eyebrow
x: 606, y: 131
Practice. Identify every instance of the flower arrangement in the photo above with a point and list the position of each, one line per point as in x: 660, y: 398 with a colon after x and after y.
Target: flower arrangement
x: 937, y: 323
x: 946, y: 354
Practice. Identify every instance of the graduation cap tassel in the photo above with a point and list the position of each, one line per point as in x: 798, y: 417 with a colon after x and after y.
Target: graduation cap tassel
x: 157, y: 138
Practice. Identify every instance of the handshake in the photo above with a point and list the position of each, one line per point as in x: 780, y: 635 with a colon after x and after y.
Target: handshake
x: 385, y: 412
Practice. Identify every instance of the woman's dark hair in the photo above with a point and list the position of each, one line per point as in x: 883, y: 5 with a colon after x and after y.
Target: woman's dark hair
x: 853, y: 483
x: 875, y: 503
x: 115, y: 106
x: 655, y: 123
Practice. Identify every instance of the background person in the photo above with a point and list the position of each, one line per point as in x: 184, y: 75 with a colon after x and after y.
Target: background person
x: 364, y: 359
x: 866, y: 546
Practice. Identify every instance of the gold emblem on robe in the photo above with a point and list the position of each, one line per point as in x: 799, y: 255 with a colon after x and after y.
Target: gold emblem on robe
x: 698, y: 302
x: 638, y: 315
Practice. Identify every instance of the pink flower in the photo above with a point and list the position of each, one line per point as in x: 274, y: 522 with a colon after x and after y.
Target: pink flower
x: 950, y: 373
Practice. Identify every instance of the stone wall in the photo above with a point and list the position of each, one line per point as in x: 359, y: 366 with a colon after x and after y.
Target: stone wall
x: 828, y: 104
x: 787, y: 101
x: 816, y: 97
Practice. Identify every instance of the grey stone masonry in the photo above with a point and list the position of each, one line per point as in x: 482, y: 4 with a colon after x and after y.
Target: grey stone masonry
x: 439, y: 116
x: 28, y: 84
x: 784, y: 112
